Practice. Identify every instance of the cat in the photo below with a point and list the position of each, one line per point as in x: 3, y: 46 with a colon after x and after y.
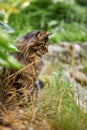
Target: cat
x: 32, y: 46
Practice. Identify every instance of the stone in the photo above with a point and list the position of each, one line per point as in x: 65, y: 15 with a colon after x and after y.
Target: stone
x: 79, y: 77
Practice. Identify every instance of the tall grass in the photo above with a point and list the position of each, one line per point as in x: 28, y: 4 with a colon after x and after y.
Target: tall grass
x: 57, y: 103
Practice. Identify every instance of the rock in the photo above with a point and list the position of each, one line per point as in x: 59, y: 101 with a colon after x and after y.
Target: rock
x: 55, y: 48
x: 65, y: 53
x: 79, y: 77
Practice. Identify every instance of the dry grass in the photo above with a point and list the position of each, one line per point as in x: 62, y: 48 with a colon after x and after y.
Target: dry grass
x: 55, y: 108
x: 8, y: 93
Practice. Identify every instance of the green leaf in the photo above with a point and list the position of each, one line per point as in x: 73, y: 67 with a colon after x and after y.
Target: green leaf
x: 13, y: 62
x: 4, y: 63
x: 7, y: 60
x: 6, y: 27
x: 3, y: 54
x: 4, y: 42
x: 1, y: 16
x: 4, y: 38
x: 11, y: 48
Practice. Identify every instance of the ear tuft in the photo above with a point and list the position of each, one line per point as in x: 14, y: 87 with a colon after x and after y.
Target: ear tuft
x: 48, y: 34
x: 41, y: 35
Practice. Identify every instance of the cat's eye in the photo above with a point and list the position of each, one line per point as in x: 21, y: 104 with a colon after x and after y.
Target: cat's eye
x: 45, y: 44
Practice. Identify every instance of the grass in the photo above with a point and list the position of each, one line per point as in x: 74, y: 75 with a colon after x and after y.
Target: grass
x: 57, y: 103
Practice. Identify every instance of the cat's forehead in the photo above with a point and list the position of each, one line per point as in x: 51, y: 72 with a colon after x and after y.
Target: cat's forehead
x: 34, y: 38
x: 31, y: 34
x: 36, y: 34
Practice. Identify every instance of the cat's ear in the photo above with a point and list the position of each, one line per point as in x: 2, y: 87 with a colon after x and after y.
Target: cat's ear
x: 41, y: 35
x: 48, y: 34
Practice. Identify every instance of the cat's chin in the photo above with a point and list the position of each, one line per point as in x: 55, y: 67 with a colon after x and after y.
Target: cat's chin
x: 41, y: 53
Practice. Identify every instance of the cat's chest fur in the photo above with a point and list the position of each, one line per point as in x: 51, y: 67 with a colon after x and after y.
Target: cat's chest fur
x: 34, y: 64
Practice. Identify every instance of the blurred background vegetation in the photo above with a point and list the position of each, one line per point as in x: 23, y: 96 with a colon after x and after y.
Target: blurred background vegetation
x: 65, y: 18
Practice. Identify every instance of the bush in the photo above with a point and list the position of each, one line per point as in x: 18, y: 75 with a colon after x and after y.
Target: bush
x: 42, y: 4
x: 70, y: 32
x: 6, y: 47
x: 6, y: 59
x: 38, y: 14
x: 82, y: 2
x: 45, y: 15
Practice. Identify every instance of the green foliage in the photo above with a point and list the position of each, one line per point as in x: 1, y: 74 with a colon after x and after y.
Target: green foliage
x: 82, y: 2
x: 77, y: 14
x: 70, y: 32
x: 42, y: 4
x: 6, y: 27
x: 1, y: 16
x: 6, y: 47
x: 46, y: 15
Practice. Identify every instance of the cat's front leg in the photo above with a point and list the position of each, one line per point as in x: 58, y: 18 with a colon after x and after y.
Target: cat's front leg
x: 39, y: 84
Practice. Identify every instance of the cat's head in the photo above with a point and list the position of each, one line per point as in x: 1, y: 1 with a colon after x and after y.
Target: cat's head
x: 40, y: 46
x: 35, y: 41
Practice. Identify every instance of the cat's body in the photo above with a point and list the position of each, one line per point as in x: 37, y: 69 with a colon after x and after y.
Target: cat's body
x: 32, y: 47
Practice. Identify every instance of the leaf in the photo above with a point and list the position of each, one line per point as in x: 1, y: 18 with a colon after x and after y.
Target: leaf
x: 13, y: 62
x: 6, y: 47
x: 3, y: 54
x: 4, y: 42
x: 7, y: 60
x: 4, y: 63
x: 4, y: 38
x: 6, y: 27
x: 11, y: 48
x: 1, y: 16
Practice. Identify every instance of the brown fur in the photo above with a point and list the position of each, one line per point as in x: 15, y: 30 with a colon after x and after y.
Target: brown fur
x: 32, y: 47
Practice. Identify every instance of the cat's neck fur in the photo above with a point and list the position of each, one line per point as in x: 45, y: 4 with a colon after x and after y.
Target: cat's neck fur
x: 33, y: 57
